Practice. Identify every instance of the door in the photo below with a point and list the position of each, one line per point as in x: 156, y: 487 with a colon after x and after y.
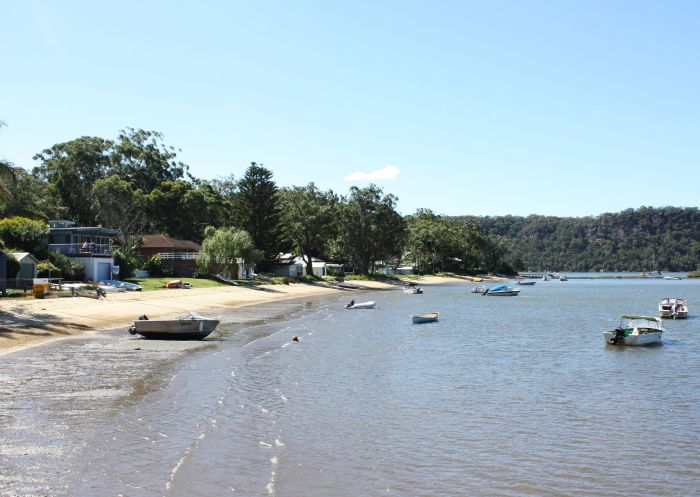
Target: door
x: 104, y: 271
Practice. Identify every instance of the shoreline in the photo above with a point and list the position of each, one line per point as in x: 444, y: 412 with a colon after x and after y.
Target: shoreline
x: 29, y: 323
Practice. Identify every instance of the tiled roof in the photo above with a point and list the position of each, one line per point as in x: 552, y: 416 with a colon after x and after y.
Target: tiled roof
x: 161, y: 241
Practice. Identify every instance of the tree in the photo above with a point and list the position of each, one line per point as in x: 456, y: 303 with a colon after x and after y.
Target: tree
x: 431, y: 238
x: 7, y: 175
x: 119, y: 206
x: 257, y: 211
x: 29, y: 197
x: 179, y: 209
x: 72, y: 168
x: 141, y: 158
x: 22, y: 233
x: 222, y: 250
x: 371, y: 227
x: 307, y: 219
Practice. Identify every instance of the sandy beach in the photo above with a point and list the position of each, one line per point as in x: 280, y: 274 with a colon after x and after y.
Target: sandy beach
x: 30, y: 322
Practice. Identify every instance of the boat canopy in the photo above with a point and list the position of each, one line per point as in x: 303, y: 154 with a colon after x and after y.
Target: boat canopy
x: 497, y: 288
x: 648, y: 318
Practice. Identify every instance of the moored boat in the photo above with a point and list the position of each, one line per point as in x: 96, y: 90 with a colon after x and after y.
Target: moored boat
x: 635, y: 330
x: 360, y: 305
x: 191, y: 326
x: 425, y: 318
x: 526, y: 283
x: 412, y: 288
x: 501, y: 291
x: 673, y: 308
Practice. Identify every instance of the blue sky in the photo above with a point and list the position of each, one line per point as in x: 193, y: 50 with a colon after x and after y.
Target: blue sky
x: 485, y: 108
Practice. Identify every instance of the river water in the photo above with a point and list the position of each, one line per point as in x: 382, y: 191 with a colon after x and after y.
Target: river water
x: 501, y: 397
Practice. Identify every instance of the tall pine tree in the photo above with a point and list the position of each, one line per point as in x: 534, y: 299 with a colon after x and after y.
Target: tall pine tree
x: 258, y: 213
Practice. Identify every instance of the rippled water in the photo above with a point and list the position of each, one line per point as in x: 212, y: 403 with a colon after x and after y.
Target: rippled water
x: 501, y: 397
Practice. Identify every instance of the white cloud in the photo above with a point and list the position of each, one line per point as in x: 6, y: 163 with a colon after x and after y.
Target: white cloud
x: 386, y: 173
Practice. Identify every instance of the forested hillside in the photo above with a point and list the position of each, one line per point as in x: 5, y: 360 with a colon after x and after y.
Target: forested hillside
x: 644, y: 239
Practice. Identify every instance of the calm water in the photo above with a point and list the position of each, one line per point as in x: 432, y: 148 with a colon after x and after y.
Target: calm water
x: 501, y: 397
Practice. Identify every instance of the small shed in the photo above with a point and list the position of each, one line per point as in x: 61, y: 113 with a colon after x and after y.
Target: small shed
x: 27, y: 269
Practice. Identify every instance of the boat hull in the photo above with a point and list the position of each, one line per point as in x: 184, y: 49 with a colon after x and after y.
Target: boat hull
x: 425, y: 318
x: 632, y: 339
x: 361, y: 305
x: 506, y: 293
x: 179, y: 329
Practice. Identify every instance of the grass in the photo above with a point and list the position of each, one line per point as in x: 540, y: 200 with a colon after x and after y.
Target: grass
x: 150, y: 284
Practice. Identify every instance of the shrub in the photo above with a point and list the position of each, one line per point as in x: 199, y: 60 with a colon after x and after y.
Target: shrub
x: 47, y: 270
x: 22, y: 233
x: 156, y: 266
x: 126, y: 261
x: 70, y: 270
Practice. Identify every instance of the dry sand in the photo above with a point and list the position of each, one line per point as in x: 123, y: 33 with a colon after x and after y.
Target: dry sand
x: 29, y: 322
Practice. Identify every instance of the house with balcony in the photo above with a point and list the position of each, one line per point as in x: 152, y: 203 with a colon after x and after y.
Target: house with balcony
x: 90, y: 246
x: 181, y: 255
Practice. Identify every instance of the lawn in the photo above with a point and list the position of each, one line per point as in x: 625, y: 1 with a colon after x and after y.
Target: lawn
x: 148, y: 284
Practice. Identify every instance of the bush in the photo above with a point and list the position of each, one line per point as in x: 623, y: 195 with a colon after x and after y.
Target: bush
x: 126, y: 261
x: 47, y: 270
x: 70, y: 270
x: 156, y: 266
x: 22, y: 233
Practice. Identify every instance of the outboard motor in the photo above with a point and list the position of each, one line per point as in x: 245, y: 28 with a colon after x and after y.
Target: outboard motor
x: 618, y: 337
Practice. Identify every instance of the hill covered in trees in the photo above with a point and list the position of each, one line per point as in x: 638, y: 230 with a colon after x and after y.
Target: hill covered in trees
x: 644, y: 239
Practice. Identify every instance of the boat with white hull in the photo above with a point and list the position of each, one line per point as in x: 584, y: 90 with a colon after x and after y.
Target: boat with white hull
x: 361, y: 305
x: 673, y: 308
x: 636, y: 330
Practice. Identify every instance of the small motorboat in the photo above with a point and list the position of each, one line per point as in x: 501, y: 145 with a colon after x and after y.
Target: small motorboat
x: 635, y: 330
x: 672, y: 277
x: 479, y: 289
x: 425, y: 318
x: 526, y: 283
x: 673, y: 308
x: 412, y: 288
x: 563, y: 278
x: 360, y: 305
x: 501, y: 291
x: 191, y: 326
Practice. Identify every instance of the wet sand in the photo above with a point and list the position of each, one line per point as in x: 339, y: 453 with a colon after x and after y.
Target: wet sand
x: 30, y: 322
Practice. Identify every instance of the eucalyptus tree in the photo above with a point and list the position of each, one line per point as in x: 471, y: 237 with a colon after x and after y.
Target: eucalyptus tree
x: 72, y: 168
x: 371, y: 228
x: 120, y: 206
x: 142, y: 158
x: 181, y: 210
x: 257, y: 211
x: 7, y: 175
x: 308, y: 219
x: 223, y: 249
x: 432, y: 238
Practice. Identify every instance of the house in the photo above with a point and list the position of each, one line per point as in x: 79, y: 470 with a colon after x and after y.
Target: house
x: 90, y: 246
x: 295, y: 267
x: 181, y: 255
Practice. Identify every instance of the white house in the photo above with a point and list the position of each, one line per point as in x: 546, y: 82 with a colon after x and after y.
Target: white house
x: 90, y: 246
x: 295, y: 267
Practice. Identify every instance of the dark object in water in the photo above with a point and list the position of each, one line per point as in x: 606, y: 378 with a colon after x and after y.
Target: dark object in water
x: 295, y: 338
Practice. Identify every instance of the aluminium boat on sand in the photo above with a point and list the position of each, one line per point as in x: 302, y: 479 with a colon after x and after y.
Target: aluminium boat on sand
x: 636, y: 330
x: 191, y: 326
